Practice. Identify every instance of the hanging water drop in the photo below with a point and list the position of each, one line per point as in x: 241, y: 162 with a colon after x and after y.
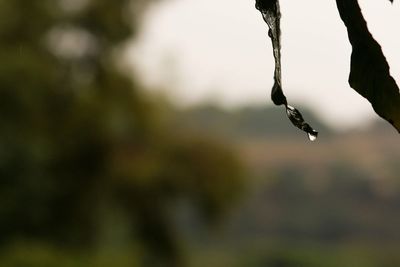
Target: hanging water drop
x: 312, y: 137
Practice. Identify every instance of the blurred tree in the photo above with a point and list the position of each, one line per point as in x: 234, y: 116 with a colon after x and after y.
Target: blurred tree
x: 78, y: 138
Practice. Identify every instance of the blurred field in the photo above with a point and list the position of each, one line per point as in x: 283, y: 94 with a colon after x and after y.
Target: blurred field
x: 334, y: 202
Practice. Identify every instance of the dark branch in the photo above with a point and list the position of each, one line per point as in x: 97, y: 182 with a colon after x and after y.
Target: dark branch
x: 369, y: 74
x: 271, y: 14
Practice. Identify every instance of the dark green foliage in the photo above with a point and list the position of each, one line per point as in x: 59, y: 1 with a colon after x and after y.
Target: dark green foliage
x: 79, y: 140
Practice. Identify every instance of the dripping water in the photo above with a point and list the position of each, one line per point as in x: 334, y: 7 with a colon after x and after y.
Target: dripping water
x: 312, y: 137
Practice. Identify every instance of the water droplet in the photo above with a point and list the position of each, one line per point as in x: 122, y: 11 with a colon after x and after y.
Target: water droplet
x: 312, y: 137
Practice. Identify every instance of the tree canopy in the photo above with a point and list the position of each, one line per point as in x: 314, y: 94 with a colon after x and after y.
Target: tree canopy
x: 81, y: 142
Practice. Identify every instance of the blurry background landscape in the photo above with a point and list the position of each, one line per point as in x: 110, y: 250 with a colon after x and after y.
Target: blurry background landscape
x: 98, y: 170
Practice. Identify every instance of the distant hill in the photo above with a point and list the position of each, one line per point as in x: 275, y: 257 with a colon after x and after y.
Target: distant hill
x: 245, y: 123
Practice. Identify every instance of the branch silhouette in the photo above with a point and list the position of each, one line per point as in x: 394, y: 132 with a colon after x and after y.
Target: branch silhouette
x: 369, y: 70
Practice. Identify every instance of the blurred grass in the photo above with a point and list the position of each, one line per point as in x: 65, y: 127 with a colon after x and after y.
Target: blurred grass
x: 278, y: 255
x: 306, y: 255
x: 31, y: 254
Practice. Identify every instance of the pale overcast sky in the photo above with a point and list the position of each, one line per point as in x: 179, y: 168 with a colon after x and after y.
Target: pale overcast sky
x: 218, y: 50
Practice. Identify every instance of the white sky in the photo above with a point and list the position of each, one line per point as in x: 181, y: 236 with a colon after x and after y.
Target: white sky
x: 218, y: 50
